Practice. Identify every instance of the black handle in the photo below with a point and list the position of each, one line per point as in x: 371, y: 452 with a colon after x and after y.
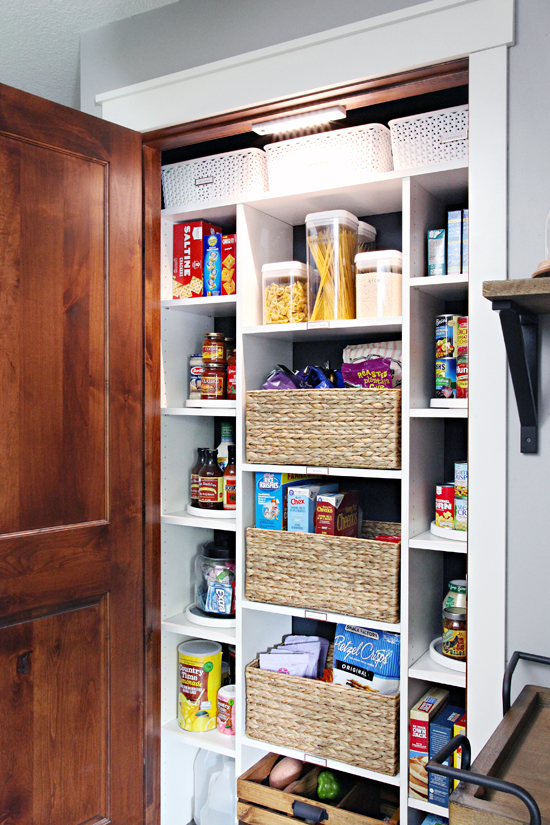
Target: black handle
x: 302, y: 810
x: 509, y: 672
x: 464, y: 775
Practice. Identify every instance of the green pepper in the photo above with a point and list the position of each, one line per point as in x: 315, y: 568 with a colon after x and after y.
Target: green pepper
x: 328, y: 786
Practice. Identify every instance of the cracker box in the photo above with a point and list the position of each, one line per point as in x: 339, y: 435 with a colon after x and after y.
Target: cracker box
x: 425, y: 710
x: 465, y: 241
x: 271, y: 498
x: 212, y: 268
x: 301, y: 503
x: 441, y: 732
x: 188, y: 258
x: 460, y: 727
x: 454, y: 242
x: 337, y: 514
x: 229, y: 264
x: 436, y: 252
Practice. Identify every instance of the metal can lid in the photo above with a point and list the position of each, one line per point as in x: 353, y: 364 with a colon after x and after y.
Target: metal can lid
x: 458, y: 586
x: 456, y: 614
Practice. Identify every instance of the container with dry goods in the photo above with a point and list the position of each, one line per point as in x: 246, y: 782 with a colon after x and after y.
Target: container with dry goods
x: 285, y: 292
x: 379, y: 284
x: 366, y: 237
x: 331, y: 250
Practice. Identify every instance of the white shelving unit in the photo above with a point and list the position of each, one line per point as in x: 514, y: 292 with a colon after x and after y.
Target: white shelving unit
x: 265, y: 234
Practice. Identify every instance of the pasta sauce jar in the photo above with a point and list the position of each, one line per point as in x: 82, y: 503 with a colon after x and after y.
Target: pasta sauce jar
x: 214, y: 348
x: 213, y: 382
x: 453, y: 643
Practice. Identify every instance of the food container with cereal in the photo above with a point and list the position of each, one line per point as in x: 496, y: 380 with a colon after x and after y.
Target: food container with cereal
x: 284, y: 287
x: 331, y: 249
x: 378, y: 284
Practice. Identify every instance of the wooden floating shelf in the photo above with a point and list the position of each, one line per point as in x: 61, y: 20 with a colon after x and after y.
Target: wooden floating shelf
x: 530, y: 294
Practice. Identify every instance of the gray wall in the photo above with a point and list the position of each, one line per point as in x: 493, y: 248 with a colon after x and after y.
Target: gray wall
x: 182, y: 35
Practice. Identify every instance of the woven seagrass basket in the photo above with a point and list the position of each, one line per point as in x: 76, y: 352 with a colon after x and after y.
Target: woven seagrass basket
x: 332, y: 721
x: 325, y: 428
x: 357, y: 577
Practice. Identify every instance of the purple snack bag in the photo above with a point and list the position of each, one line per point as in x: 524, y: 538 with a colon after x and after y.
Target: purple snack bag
x: 293, y: 664
x: 375, y: 372
x: 282, y: 379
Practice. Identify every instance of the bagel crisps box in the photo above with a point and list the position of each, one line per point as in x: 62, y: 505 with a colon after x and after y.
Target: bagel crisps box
x: 425, y: 710
x: 188, y: 257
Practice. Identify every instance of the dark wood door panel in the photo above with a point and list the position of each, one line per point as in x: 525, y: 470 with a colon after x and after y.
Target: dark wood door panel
x: 52, y: 338
x: 55, y: 725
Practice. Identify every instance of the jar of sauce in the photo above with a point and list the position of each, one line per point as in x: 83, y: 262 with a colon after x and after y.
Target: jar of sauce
x: 454, y: 633
x: 232, y: 376
x: 213, y: 382
x: 214, y: 349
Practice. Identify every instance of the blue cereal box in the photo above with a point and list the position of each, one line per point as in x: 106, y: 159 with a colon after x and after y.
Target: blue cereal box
x: 441, y: 732
x: 301, y: 503
x: 212, y: 266
x: 271, y: 498
x: 454, y: 242
x: 436, y: 252
x: 465, y: 241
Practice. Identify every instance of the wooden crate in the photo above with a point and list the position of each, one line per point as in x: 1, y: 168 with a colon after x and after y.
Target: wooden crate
x: 363, y: 803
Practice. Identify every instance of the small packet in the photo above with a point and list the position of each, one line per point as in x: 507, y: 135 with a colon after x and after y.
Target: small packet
x: 311, y: 649
x: 376, y: 372
x: 298, y: 640
x: 392, y: 539
x: 219, y: 598
x: 293, y: 664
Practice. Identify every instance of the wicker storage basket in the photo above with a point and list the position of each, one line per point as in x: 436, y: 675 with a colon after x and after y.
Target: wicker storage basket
x: 229, y: 175
x: 332, y: 721
x: 325, y: 428
x: 316, y: 159
x: 433, y: 137
x: 356, y: 577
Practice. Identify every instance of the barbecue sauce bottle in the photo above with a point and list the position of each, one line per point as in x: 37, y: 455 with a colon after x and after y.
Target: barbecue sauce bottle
x: 195, y: 469
x: 211, y: 483
x: 230, y: 481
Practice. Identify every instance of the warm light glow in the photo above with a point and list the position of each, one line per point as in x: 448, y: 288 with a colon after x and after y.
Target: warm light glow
x: 302, y: 121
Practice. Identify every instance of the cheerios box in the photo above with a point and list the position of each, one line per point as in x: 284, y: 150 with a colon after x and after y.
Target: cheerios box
x: 271, y: 498
x: 188, y: 257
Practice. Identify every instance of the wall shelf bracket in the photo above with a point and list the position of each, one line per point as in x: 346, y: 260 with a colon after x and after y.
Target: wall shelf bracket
x: 520, y: 330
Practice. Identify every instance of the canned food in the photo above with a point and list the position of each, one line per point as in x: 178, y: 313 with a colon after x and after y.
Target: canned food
x: 445, y: 378
x: 462, y: 376
x: 461, y: 479
x: 444, y: 505
x: 457, y: 595
x: 199, y: 665
x: 461, y: 514
x: 226, y: 710
x: 446, y: 336
x: 462, y: 337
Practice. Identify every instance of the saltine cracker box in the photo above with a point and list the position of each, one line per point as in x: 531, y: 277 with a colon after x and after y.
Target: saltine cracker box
x: 187, y: 257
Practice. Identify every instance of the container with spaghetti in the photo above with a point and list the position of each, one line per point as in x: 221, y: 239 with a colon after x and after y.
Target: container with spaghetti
x: 331, y: 249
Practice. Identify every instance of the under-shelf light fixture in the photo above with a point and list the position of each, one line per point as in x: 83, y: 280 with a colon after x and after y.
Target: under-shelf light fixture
x: 299, y: 121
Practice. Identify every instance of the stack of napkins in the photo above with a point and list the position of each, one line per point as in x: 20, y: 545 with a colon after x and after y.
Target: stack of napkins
x: 298, y: 656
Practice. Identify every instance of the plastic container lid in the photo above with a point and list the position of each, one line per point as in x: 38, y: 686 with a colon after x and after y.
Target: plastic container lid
x: 223, y: 551
x: 227, y: 690
x: 340, y: 215
x: 366, y: 231
x: 199, y: 647
x: 384, y: 257
x: 285, y: 265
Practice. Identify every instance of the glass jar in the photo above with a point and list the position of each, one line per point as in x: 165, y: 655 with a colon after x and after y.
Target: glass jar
x: 213, y: 382
x: 215, y: 578
x: 457, y: 594
x: 232, y: 376
x: 214, y: 349
x: 331, y: 249
x: 379, y: 284
x: 453, y: 642
x: 285, y: 292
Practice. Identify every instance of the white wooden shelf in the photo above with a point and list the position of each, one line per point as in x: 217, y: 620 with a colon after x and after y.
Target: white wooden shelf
x: 319, y: 615
x: 181, y: 624
x: 222, y: 306
x: 211, y: 740
x: 183, y: 518
x: 329, y: 331
x: 221, y: 413
x: 332, y: 764
x: 446, y: 287
x: 352, y: 472
x: 427, y: 541
x: 434, y: 412
x: 428, y: 807
x: 425, y: 668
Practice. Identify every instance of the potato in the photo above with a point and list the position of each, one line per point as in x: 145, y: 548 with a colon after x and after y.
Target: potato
x: 285, y: 772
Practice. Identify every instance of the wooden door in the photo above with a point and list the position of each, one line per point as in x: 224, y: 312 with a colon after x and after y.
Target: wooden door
x: 71, y: 456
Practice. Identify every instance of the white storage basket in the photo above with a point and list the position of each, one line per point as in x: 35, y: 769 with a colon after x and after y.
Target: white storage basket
x: 327, y: 157
x: 433, y: 137
x: 229, y: 175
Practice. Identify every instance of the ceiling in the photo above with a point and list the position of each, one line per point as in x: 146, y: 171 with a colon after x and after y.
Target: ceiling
x: 40, y: 41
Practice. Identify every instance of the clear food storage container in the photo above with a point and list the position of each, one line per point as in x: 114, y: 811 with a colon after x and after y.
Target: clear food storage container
x: 331, y: 249
x: 284, y: 287
x: 366, y: 237
x: 379, y: 283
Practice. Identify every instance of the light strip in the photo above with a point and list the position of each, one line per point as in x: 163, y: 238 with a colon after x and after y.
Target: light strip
x: 301, y: 121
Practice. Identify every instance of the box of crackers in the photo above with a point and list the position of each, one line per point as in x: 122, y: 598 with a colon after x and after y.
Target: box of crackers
x: 212, y: 271
x: 421, y: 715
x: 187, y: 280
x: 229, y: 264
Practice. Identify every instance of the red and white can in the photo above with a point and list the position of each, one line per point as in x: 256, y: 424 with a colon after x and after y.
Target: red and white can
x: 445, y: 505
x: 226, y: 710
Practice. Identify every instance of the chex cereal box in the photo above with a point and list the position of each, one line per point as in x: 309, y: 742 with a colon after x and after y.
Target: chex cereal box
x: 229, y: 264
x: 367, y: 659
x: 188, y: 258
x: 301, y: 503
x: 338, y: 514
x: 212, y: 269
x: 271, y: 498
x: 441, y: 732
x: 419, y: 749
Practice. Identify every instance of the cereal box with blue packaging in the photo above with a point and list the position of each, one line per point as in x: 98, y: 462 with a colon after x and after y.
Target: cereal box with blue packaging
x: 212, y: 273
x: 271, y: 498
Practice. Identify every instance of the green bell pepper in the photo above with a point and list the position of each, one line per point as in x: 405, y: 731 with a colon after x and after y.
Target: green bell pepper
x: 328, y: 786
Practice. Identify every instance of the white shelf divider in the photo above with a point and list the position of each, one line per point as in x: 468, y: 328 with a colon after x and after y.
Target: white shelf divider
x: 425, y: 668
x: 320, y: 615
x: 352, y: 472
x: 183, y: 518
x: 428, y: 807
x: 210, y: 740
x: 222, y: 413
x: 448, y: 287
x: 427, y: 541
x: 331, y: 330
x: 222, y: 306
x: 435, y: 412
x: 181, y: 624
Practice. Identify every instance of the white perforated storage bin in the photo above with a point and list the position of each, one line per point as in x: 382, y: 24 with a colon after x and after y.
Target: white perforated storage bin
x: 229, y: 175
x: 317, y: 160
x: 433, y: 137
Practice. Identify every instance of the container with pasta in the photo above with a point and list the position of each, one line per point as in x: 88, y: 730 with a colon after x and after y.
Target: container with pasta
x: 379, y: 284
x: 331, y: 248
x: 285, y: 292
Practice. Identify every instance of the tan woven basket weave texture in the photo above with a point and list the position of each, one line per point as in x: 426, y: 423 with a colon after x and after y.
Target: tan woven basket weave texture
x: 356, y: 577
x: 332, y: 721
x: 325, y: 428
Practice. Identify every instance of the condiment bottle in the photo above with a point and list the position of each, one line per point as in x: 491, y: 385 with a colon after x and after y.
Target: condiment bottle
x: 194, y: 480
x: 232, y: 376
x: 213, y: 348
x: 230, y: 481
x: 211, y: 483
x: 227, y: 439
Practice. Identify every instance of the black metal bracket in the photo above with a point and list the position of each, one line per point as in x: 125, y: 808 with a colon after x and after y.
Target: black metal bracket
x: 520, y: 330
x: 509, y: 672
x: 436, y: 766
